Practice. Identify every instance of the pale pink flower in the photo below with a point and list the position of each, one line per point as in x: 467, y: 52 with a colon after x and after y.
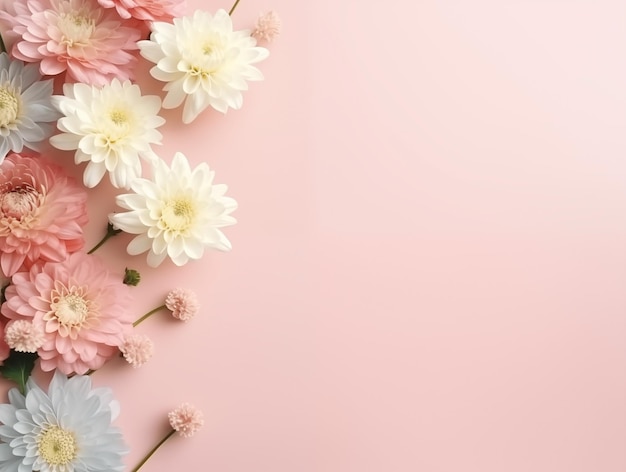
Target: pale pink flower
x: 186, y: 419
x: 4, y: 347
x: 42, y: 212
x: 267, y: 27
x: 93, y: 45
x: 147, y: 10
x: 81, y: 306
x: 137, y: 349
x: 24, y: 336
x: 7, y: 12
x: 183, y: 303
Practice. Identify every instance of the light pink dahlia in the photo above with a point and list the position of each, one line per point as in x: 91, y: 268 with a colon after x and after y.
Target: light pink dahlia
x: 7, y: 13
x: 4, y: 347
x: 147, y: 10
x: 24, y: 336
x: 267, y: 27
x: 42, y: 212
x: 93, y: 45
x: 82, y: 307
x: 137, y: 349
x: 183, y: 303
x: 186, y: 419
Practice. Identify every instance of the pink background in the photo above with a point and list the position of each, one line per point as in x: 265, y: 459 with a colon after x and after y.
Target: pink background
x: 429, y: 269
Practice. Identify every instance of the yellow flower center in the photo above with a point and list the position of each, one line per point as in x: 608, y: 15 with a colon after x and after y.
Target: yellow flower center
x: 76, y: 29
x: 178, y: 214
x: 57, y: 446
x: 118, y: 124
x: 9, y: 105
x: 118, y: 117
x: 70, y: 310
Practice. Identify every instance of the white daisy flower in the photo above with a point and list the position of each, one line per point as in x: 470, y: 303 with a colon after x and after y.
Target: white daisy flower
x: 110, y: 127
x: 177, y: 214
x: 26, y: 109
x: 204, y: 62
x: 67, y: 429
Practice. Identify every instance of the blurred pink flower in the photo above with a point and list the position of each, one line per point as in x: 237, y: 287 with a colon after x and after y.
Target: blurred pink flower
x: 42, y: 212
x: 81, y: 307
x: 147, y: 10
x: 137, y: 349
x: 91, y: 44
x: 7, y: 12
x: 186, y: 419
x: 267, y: 27
x: 183, y: 303
x: 24, y: 336
x: 4, y: 347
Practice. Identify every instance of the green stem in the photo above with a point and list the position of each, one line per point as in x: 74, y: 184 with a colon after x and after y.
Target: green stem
x: 111, y: 231
x: 154, y: 449
x: 151, y: 312
x: 233, y: 7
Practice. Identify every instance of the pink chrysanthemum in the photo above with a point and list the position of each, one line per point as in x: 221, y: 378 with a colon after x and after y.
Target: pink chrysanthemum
x: 267, y: 27
x: 81, y: 307
x: 186, y: 420
x: 7, y: 12
x: 147, y: 10
x: 24, y: 336
x: 4, y: 347
x: 91, y: 44
x: 42, y: 212
x: 137, y: 349
x: 183, y: 303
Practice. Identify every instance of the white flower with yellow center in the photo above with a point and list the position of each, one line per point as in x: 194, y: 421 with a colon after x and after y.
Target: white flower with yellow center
x: 111, y: 127
x: 177, y: 214
x: 204, y: 62
x: 26, y: 109
x: 67, y: 429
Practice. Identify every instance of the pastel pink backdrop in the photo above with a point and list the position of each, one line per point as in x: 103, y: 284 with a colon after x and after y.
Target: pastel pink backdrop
x: 429, y: 269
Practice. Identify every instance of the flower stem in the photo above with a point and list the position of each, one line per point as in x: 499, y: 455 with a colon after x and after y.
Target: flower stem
x: 151, y: 312
x: 154, y: 449
x: 111, y: 231
x: 233, y: 7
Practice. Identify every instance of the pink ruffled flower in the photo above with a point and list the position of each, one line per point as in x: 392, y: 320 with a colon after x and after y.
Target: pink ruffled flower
x: 91, y: 44
x: 81, y: 307
x: 137, y: 349
x: 24, y: 336
x: 267, y: 27
x: 186, y: 420
x: 7, y: 12
x: 42, y: 212
x: 183, y: 303
x: 5, y: 350
x: 147, y: 10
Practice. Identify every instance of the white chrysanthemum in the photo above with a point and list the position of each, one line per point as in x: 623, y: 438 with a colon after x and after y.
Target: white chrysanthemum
x: 204, y: 62
x: 177, y: 214
x: 26, y: 109
x: 110, y: 127
x: 67, y: 429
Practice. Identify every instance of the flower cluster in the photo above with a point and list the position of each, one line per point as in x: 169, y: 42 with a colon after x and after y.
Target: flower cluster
x: 70, y: 88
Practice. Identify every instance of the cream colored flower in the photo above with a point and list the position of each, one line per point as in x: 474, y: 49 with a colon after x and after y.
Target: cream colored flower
x: 110, y: 127
x: 204, y: 62
x: 177, y: 214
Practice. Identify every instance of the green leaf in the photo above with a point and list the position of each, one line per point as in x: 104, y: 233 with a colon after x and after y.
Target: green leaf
x: 18, y: 367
